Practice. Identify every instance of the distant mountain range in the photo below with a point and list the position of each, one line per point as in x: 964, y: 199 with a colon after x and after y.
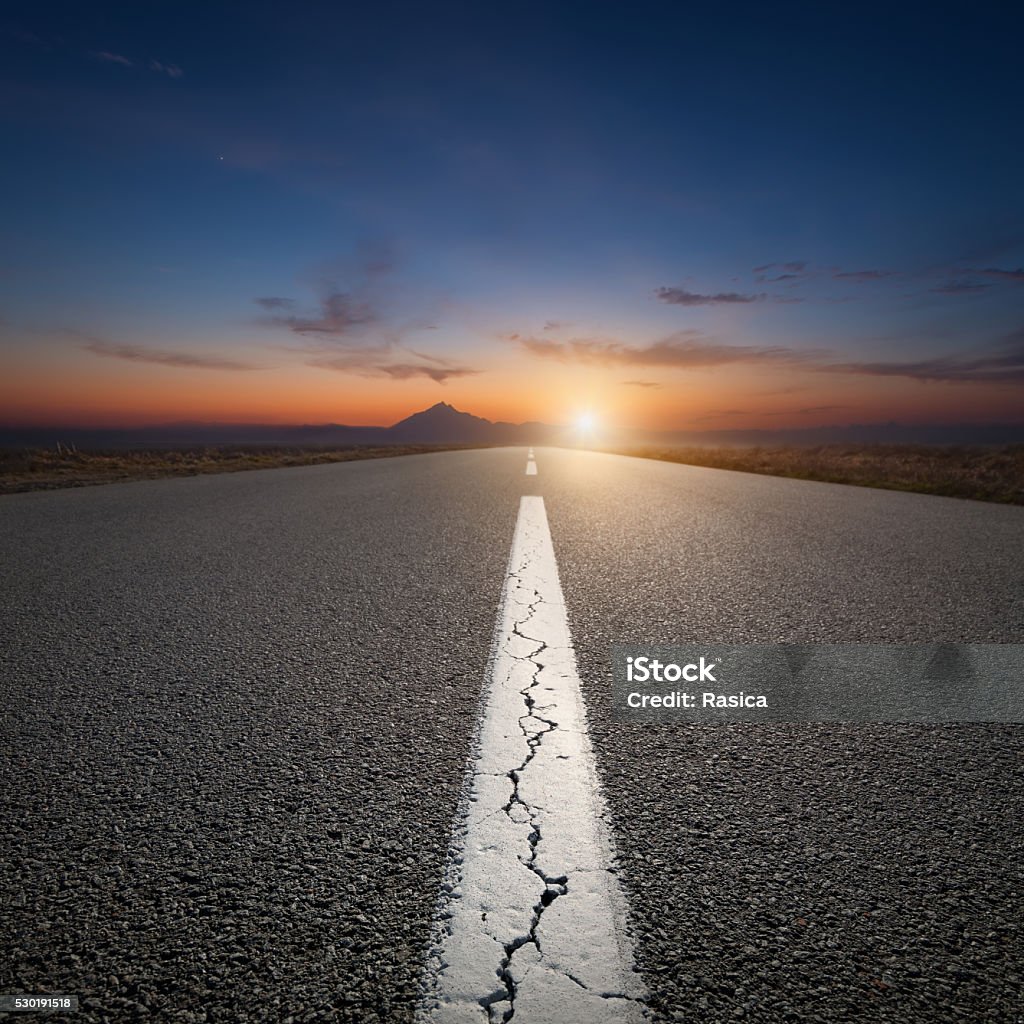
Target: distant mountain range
x: 444, y: 424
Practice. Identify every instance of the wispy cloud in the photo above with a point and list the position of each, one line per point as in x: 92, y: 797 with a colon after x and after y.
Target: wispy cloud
x: 717, y: 414
x: 986, y: 248
x: 163, y: 357
x: 1008, y: 275
x: 692, y: 350
x: 682, y: 350
x: 961, y: 288
x: 171, y: 70
x: 377, y: 361
x: 111, y: 58
x: 22, y: 35
x: 793, y: 267
x: 339, y: 313
x: 681, y: 297
x: 1001, y: 363
x: 354, y: 329
x: 801, y: 270
x: 353, y: 295
x: 862, y: 275
x: 641, y: 384
x: 160, y: 67
x: 781, y: 273
x: 404, y: 371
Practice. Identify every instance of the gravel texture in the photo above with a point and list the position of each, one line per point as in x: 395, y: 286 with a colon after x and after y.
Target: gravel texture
x: 802, y: 872
x: 237, y: 712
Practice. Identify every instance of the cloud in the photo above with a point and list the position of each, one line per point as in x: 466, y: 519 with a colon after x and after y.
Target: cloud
x: 1009, y: 275
x: 800, y: 270
x: 171, y: 70
x: 960, y: 288
x: 352, y: 292
x: 112, y: 58
x: 641, y: 384
x: 404, y: 371
x: 691, y: 349
x: 991, y: 248
x: 430, y: 358
x: 681, y: 297
x: 340, y: 312
x: 717, y: 414
x: 862, y: 275
x: 23, y: 35
x: 776, y: 273
x: 163, y: 357
x: 160, y: 67
x: 682, y: 350
x: 793, y: 267
x: 354, y: 329
x: 1004, y: 362
x: 375, y: 362
x: 789, y: 389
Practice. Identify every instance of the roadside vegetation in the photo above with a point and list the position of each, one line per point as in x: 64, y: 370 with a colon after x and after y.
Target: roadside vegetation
x: 984, y: 473
x: 47, y: 469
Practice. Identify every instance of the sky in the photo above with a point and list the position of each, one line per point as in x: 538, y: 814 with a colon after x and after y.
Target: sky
x: 671, y: 216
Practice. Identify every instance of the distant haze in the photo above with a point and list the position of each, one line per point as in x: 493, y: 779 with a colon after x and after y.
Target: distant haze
x: 444, y: 424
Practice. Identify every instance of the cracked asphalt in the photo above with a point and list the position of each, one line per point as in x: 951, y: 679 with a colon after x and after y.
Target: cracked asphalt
x: 238, y: 710
x: 531, y: 868
x: 802, y: 872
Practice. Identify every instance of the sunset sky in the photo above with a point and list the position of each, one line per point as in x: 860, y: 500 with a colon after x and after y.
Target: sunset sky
x: 676, y: 216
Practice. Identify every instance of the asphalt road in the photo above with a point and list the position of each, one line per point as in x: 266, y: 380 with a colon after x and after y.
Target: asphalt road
x: 238, y: 709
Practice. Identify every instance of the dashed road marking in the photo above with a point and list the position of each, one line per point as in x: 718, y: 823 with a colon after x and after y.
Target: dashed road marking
x: 531, y: 468
x: 531, y: 925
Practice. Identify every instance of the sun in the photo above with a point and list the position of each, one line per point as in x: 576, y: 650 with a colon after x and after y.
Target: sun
x: 586, y: 422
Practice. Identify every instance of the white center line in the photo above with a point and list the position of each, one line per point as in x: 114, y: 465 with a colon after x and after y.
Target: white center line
x: 531, y: 926
x: 531, y: 468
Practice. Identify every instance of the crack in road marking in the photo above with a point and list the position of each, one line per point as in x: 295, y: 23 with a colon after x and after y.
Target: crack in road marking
x: 531, y: 922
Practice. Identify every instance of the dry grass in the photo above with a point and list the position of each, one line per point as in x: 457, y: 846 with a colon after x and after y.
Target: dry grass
x: 983, y: 473
x: 38, y: 469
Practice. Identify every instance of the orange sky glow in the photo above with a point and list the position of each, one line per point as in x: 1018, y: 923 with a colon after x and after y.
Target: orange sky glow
x: 76, y: 388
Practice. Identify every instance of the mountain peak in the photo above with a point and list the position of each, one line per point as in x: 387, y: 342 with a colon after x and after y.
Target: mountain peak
x: 442, y: 422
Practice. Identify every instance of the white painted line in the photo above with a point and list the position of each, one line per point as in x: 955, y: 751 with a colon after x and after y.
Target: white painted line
x: 529, y: 454
x: 531, y: 925
x: 531, y: 468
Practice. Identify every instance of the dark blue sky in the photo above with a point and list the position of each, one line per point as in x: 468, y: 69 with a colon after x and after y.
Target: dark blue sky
x: 438, y: 196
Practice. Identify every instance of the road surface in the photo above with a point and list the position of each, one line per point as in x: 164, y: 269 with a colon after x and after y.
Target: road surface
x: 238, y: 713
